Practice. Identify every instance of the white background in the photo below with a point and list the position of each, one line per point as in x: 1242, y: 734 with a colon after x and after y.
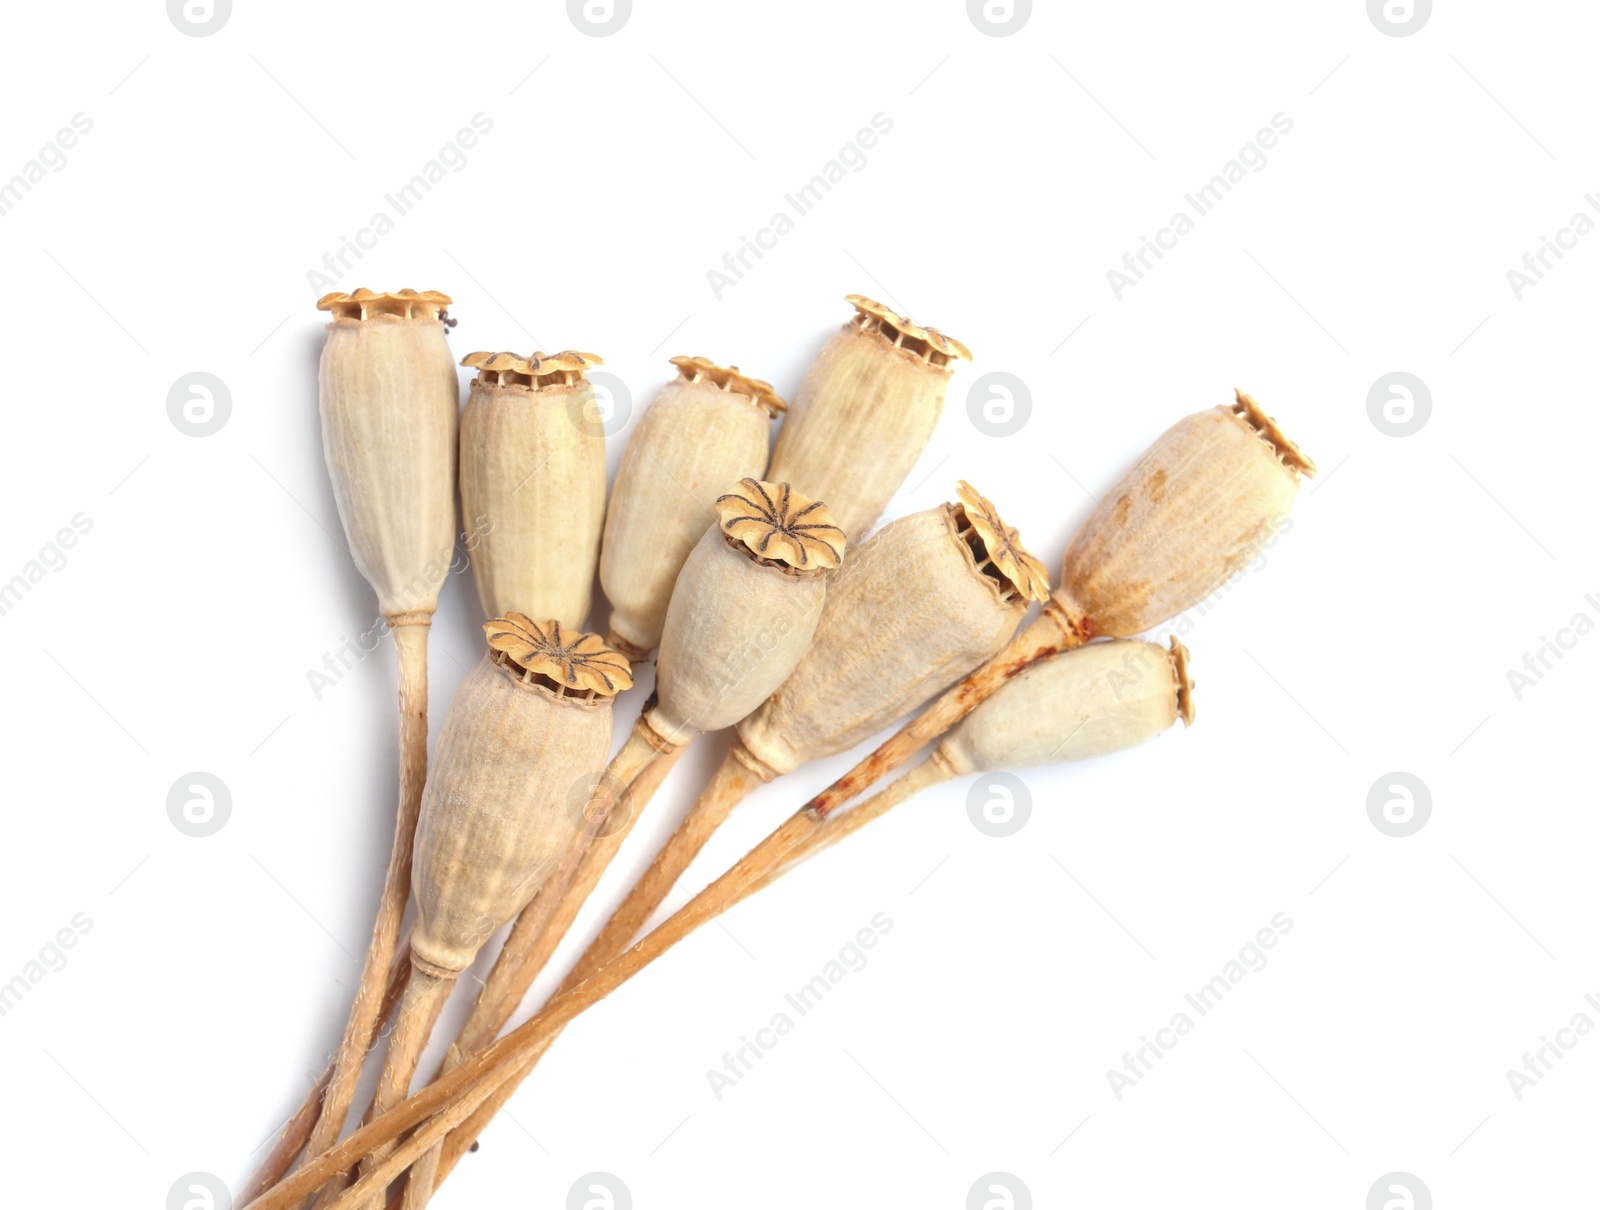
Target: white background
x: 178, y: 636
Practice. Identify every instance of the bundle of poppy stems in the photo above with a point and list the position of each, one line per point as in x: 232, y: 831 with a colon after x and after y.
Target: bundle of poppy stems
x: 750, y: 570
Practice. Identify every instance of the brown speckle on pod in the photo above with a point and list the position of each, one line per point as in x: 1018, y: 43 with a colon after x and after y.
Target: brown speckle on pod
x: 1225, y: 481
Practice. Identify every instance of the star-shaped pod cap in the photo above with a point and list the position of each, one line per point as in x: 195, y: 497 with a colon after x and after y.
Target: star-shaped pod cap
x: 535, y: 370
x: 1003, y: 545
x: 574, y: 660
x: 776, y: 523
x: 932, y: 345
x: 402, y: 304
x: 701, y: 369
x: 1249, y: 411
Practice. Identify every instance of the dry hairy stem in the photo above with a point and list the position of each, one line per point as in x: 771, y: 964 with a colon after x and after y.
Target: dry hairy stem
x: 297, y: 1130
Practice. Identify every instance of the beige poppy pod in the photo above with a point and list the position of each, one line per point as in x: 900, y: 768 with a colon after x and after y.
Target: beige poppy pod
x: 921, y: 603
x: 1099, y: 699
x: 389, y: 403
x: 1091, y: 702
x: 1195, y: 509
x: 864, y: 413
x: 708, y: 428
x: 533, y: 483
x: 743, y: 610
x: 1191, y: 513
x: 527, y: 723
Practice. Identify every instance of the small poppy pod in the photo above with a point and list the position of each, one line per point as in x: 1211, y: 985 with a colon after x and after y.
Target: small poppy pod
x: 1096, y: 700
x: 864, y: 413
x: 528, y: 722
x: 1070, y: 706
x: 708, y: 428
x: 921, y: 603
x: 1198, y: 507
x: 744, y: 608
x: 533, y: 483
x: 389, y: 402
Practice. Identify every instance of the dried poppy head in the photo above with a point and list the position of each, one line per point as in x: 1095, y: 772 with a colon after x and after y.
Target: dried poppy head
x: 864, y: 412
x: 921, y: 603
x: 1197, y: 508
x: 389, y: 402
x: 744, y: 608
x: 528, y: 722
x: 533, y: 483
x: 706, y: 429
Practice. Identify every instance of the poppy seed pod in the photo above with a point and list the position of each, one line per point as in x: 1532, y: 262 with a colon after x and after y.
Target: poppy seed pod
x: 1192, y: 512
x: 864, y: 413
x: 533, y: 483
x: 921, y: 603
x: 1096, y: 700
x: 743, y: 610
x: 1196, y: 508
x: 708, y: 428
x: 528, y: 721
x: 1079, y: 704
x: 389, y: 403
